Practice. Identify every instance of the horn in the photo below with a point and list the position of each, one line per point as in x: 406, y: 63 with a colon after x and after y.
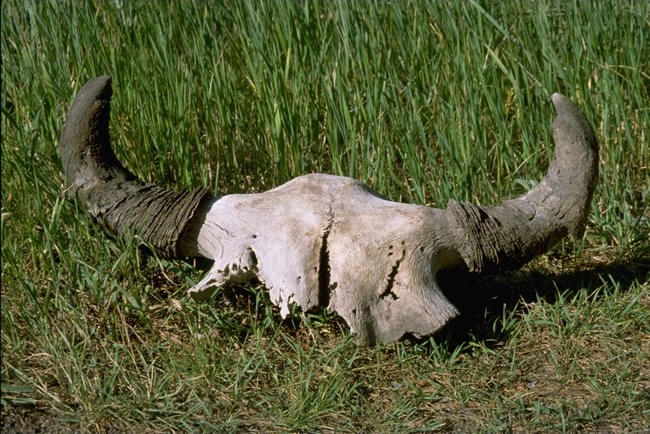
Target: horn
x: 505, y: 237
x: 115, y: 197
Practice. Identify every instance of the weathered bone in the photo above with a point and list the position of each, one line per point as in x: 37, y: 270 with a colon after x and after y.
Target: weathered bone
x: 323, y: 240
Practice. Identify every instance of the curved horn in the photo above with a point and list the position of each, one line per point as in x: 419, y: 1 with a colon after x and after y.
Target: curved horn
x: 114, y: 196
x: 507, y: 236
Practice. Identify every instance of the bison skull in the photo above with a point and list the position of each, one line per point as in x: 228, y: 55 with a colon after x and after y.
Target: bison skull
x: 323, y: 240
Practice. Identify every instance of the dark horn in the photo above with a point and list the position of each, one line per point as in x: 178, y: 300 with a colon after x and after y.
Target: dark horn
x: 507, y: 236
x: 115, y: 197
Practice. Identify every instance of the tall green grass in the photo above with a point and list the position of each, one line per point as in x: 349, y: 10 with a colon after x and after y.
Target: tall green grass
x: 424, y: 101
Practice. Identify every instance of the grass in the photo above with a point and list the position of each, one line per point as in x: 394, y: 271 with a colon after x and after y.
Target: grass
x: 423, y: 101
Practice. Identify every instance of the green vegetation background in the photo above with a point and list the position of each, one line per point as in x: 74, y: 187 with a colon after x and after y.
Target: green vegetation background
x: 424, y: 101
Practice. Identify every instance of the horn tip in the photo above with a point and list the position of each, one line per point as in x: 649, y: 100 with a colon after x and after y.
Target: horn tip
x: 101, y: 87
x: 563, y: 104
x: 569, y: 116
